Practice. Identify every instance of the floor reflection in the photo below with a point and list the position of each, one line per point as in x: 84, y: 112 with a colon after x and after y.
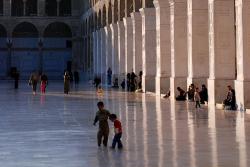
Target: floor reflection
x: 57, y: 130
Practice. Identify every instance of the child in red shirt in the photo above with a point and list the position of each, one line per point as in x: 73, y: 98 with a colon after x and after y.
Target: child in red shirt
x: 118, y: 131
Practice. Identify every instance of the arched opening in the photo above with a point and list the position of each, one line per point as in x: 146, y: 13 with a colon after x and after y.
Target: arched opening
x: 147, y: 3
x: 31, y: 8
x: 24, y: 49
x: 137, y: 4
x: 104, y: 21
x: 65, y: 8
x: 1, y: 7
x: 95, y: 20
x: 57, y: 30
x: 3, y: 52
x: 129, y: 7
x: 116, y: 15
x: 51, y: 7
x: 57, y: 49
x: 25, y: 30
x: 110, y: 13
x: 122, y: 10
x: 17, y: 8
x: 99, y: 19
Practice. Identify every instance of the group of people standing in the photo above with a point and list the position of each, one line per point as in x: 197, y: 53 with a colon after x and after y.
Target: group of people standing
x: 34, y: 80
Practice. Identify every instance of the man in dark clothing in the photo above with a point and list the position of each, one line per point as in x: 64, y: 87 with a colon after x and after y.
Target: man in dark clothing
x: 102, y: 116
x: 132, y: 82
x: 16, y: 78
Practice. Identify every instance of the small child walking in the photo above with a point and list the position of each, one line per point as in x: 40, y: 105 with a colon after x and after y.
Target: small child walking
x: 118, y: 131
x: 197, y: 98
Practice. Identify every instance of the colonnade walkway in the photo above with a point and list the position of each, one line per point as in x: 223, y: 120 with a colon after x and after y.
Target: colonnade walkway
x: 56, y: 130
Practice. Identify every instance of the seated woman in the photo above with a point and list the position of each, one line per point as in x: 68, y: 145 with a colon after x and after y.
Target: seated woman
x: 182, y: 95
x: 230, y: 101
x: 190, y: 92
x: 116, y: 84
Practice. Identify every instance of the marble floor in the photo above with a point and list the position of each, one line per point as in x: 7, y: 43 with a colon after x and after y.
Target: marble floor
x: 55, y: 130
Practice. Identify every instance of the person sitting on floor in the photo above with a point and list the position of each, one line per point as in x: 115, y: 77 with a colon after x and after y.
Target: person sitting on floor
x: 230, y: 101
x: 182, y: 95
x: 204, y: 94
x: 116, y: 84
x: 190, y: 92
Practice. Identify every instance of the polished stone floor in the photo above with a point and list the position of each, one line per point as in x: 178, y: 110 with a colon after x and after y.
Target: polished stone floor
x: 55, y: 130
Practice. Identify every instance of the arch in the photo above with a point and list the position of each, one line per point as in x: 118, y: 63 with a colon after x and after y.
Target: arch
x: 58, y: 30
x: 129, y: 7
x: 65, y: 8
x: 17, y: 8
x: 110, y: 13
x: 104, y: 21
x: 122, y: 9
x: 3, y: 32
x: 147, y: 3
x: 137, y: 5
x: 25, y: 30
x: 99, y: 19
x: 51, y: 7
x: 115, y: 12
x: 31, y: 8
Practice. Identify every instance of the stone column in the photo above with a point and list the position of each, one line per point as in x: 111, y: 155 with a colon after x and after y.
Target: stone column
x: 148, y: 48
x: 99, y: 53
x: 163, y: 52
x: 115, y: 64
x: 221, y: 49
x: 58, y: 7
x: 121, y: 50
x: 242, y: 84
x: 137, y: 41
x: 24, y: 7
x: 128, y: 44
x: 108, y: 47
x: 94, y: 53
x: 7, y: 8
x: 41, y: 7
x: 178, y: 31
x: 198, y: 54
x: 103, y: 56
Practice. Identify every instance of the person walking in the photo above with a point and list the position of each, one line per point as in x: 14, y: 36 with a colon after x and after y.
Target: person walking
x: 102, y: 117
x: 44, y: 83
x: 66, y: 82
x: 34, y: 78
x: 197, y: 98
x: 117, y: 131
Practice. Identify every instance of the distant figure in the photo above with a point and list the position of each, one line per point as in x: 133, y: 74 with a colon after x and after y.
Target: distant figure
x: 230, y: 101
x: 34, y: 78
x: 204, y: 94
x: 123, y: 84
x: 71, y: 76
x: 16, y: 78
x: 140, y: 81
x: 102, y: 117
x: 132, y: 82
x: 97, y: 81
x: 116, y: 84
x: 66, y: 82
x: 182, y: 95
x: 190, y: 92
x: 109, y: 75
x: 197, y: 98
x: 128, y: 81
x: 76, y: 77
x: 117, y: 131
x: 44, y: 83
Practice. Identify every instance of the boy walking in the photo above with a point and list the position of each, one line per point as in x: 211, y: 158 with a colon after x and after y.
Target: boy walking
x: 197, y: 98
x: 102, y: 116
x: 118, y: 131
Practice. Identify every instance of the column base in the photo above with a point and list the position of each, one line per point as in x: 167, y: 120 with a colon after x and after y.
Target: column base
x: 177, y: 82
x: 242, y: 96
x: 148, y: 83
x: 217, y: 90
x: 162, y: 85
x: 198, y: 82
